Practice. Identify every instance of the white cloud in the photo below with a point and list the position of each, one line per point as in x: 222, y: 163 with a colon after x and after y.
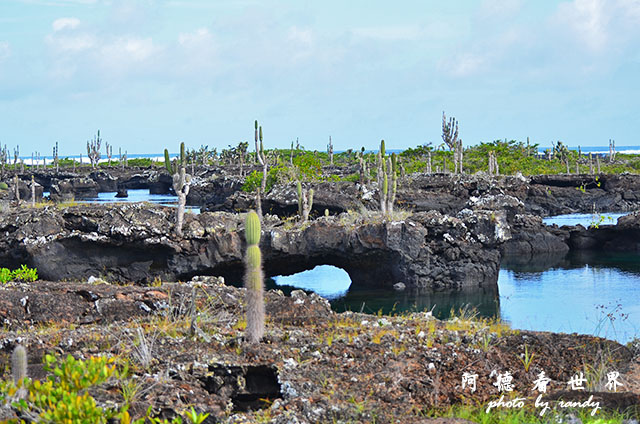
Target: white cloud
x: 598, y: 25
x: 65, y: 23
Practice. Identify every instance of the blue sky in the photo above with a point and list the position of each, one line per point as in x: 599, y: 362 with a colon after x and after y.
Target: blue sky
x: 152, y: 73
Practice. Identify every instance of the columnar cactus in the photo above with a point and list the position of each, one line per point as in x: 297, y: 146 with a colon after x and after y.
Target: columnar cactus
x: 109, y: 149
x: 33, y: 192
x: 253, y: 279
x: 181, y: 183
x: 387, y: 181
x: 55, y: 156
x: 493, y: 164
x: 330, y: 151
x: 262, y: 159
x: 19, y: 364
x: 305, y: 202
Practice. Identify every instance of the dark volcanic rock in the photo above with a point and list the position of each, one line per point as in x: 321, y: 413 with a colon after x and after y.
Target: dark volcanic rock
x: 73, y: 188
x: 133, y: 243
x: 106, y: 183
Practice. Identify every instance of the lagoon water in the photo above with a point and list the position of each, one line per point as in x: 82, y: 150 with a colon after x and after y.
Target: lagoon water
x: 584, y: 219
x: 138, y: 195
x: 594, y: 293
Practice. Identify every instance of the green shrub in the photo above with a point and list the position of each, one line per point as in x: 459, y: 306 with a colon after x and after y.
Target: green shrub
x: 252, y: 182
x: 4, y: 186
x: 23, y: 273
x: 64, y: 396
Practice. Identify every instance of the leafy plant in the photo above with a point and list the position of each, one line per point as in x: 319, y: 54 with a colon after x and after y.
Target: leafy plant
x: 64, y: 395
x: 526, y: 359
x: 23, y: 273
x: 195, y: 417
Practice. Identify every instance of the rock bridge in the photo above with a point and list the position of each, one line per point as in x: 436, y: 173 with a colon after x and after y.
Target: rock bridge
x: 135, y: 243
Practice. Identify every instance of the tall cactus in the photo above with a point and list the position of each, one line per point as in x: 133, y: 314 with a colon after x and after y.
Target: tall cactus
x: 262, y: 159
x: 330, y: 151
x: 253, y: 279
x: 387, y: 180
x: 19, y: 363
x: 305, y: 202
x: 181, y: 184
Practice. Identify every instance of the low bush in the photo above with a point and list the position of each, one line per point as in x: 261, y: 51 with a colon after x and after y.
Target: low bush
x: 23, y: 273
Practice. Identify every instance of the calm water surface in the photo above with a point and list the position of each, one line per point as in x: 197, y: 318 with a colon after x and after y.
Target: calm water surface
x: 138, y: 195
x: 595, y: 294
x: 584, y: 219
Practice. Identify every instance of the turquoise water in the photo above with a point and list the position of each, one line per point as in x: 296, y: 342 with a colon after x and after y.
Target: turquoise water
x: 596, y: 294
x: 584, y: 219
x: 139, y: 195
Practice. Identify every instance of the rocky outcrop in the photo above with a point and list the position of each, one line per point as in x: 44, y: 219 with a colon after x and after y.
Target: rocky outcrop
x: 133, y: 243
x: 73, y: 188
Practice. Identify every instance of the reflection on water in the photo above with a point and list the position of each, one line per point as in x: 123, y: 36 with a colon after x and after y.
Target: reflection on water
x: 334, y: 284
x: 138, y: 195
x: 584, y: 219
x: 586, y: 292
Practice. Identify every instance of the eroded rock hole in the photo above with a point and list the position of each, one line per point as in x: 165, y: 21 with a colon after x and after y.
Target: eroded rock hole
x: 249, y: 387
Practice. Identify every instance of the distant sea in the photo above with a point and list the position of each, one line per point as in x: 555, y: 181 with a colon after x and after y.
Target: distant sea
x: 603, y: 150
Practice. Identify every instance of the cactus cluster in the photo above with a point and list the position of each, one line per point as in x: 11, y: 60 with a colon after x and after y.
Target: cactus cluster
x: 387, y: 180
x: 305, y: 202
x: 450, y: 137
x: 93, y: 150
x: 181, y: 183
x: 253, y: 279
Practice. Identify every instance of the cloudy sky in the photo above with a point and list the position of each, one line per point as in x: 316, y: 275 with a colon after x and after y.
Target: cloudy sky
x: 151, y: 73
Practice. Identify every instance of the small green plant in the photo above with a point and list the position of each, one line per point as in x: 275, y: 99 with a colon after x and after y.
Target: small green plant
x: 195, y: 417
x: 4, y: 186
x: 526, y: 359
x: 23, y: 273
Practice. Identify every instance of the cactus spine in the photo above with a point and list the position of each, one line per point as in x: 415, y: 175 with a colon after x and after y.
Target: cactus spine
x: 305, y: 202
x: 181, y: 184
x: 254, y: 279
